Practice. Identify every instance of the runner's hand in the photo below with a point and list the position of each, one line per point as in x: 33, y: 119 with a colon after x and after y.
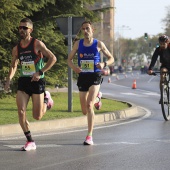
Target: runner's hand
x: 77, y: 70
x: 35, y: 76
x: 7, y: 86
x: 100, y: 65
x: 150, y: 72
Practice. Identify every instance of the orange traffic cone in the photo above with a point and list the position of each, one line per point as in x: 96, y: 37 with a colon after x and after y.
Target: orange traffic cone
x: 109, y: 80
x: 134, y: 84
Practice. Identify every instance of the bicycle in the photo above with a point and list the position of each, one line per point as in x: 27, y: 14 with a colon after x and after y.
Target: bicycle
x: 165, y: 96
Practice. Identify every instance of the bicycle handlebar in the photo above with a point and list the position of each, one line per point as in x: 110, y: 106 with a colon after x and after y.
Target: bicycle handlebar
x: 154, y: 73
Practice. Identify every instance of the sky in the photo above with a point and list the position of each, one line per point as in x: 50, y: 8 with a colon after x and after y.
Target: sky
x: 133, y: 18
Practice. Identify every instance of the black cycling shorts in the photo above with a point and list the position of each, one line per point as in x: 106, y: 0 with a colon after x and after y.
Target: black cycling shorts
x: 34, y: 87
x: 86, y: 80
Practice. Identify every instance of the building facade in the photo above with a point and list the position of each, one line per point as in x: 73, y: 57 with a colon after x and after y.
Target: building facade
x: 105, y: 29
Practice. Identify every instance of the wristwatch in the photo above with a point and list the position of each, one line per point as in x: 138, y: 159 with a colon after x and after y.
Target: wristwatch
x: 105, y: 64
x: 40, y: 72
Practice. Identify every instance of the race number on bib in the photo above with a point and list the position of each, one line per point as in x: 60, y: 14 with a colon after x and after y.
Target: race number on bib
x: 87, y: 65
x: 28, y: 68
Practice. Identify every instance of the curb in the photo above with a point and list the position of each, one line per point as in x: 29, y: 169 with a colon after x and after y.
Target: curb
x: 59, y: 124
x: 15, y: 129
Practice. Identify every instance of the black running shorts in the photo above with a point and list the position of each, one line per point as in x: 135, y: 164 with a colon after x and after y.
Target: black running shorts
x: 84, y: 81
x: 34, y: 87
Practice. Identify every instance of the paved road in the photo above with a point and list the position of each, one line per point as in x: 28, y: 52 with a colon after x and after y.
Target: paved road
x: 134, y: 144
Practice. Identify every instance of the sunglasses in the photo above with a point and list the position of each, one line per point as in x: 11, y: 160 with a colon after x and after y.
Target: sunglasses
x: 23, y: 27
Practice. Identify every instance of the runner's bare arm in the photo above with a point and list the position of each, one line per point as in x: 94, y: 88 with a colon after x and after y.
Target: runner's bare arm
x: 71, y: 56
x: 105, y: 51
x: 40, y: 47
x: 13, y: 67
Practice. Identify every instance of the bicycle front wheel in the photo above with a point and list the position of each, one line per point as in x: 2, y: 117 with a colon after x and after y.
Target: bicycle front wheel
x: 165, y: 103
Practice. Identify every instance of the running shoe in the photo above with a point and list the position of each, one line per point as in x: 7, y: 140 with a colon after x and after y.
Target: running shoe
x: 29, y: 146
x: 98, y: 103
x: 88, y: 141
x: 50, y: 100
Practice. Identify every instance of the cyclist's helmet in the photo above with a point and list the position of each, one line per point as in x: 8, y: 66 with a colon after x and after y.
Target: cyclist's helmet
x: 163, y: 38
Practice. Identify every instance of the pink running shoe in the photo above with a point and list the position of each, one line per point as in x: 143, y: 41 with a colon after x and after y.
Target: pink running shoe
x: 88, y: 141
x: 50, y: 100
x: 29, y: 146
x: 98, y: 103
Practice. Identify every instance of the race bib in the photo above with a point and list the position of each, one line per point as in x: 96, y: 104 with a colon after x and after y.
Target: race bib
x: 28, y: 68
x: 87, y: 65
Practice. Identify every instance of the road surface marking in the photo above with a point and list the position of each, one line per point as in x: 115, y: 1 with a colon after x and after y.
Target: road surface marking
x: 111, y: 143
x: 39, y: 146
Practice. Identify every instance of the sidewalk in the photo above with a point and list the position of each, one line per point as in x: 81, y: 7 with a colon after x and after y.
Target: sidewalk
x: 39, y: 126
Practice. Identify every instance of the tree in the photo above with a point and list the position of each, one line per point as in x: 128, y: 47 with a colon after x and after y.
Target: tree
x: 43, y: 13
x: 167, y: 21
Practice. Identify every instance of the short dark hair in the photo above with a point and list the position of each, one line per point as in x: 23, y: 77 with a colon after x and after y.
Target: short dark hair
x: 86, y: 22
x: 27, y: 20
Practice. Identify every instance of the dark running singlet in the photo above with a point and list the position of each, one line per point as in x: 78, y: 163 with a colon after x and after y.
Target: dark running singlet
x: 88, y: 57
x: 30, y: 62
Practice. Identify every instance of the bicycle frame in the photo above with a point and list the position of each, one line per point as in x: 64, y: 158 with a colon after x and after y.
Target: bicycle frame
x: 165, y: 96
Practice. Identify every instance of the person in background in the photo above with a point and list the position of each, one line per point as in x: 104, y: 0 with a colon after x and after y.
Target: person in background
x: 29, y: 54
x: 163, y: 51
x: 89, y: 70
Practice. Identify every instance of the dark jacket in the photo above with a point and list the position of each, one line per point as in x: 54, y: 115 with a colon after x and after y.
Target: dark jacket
x: 164, y: 55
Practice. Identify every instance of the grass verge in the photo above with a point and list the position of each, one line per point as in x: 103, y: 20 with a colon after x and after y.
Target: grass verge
x: 8, y: 108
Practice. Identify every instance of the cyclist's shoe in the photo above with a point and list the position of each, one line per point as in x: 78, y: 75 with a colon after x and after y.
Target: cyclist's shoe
x: 88, y: 141
x: 160, y: 101
x: 98, y: 102
x: 50, y: 101
x: 29, y: 146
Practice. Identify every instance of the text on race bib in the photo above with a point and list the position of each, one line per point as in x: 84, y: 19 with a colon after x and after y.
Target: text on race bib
x: 28, y: 68
x: 87, y: 65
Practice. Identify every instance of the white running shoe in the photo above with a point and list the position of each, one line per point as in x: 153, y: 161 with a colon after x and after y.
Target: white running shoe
x: 29, y: 146
x: 88, y: 141
x: 50, y: 100
x: 98, y: 103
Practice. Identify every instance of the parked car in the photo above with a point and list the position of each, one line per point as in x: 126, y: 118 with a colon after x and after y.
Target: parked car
x: 106, y: 71
x: 129, y: 68
x: 116, y: 69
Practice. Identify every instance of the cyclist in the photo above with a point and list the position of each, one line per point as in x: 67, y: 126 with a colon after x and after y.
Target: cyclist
x: 163, y: 51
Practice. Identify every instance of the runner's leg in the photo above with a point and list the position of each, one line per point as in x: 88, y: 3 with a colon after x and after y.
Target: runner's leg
x: 22, y: 100
x: 83, y: 101
x: 39, y: 107
x: 93, y: 90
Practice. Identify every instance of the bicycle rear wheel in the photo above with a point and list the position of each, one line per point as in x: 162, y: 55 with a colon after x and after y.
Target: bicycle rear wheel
x: 165, y: 102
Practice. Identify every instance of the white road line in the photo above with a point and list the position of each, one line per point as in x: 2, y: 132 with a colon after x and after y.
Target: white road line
x: 54, y: 145
x: 142, y: 95
x: 153, y: 77
x: 140, y: 90
x: 111, y: 143
x: 39, y: 146
x: 165, y: 141
x: 152, y: 94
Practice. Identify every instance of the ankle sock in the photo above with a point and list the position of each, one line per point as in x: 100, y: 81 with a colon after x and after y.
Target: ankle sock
x: 28, y: 136
x: 89, y: 134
